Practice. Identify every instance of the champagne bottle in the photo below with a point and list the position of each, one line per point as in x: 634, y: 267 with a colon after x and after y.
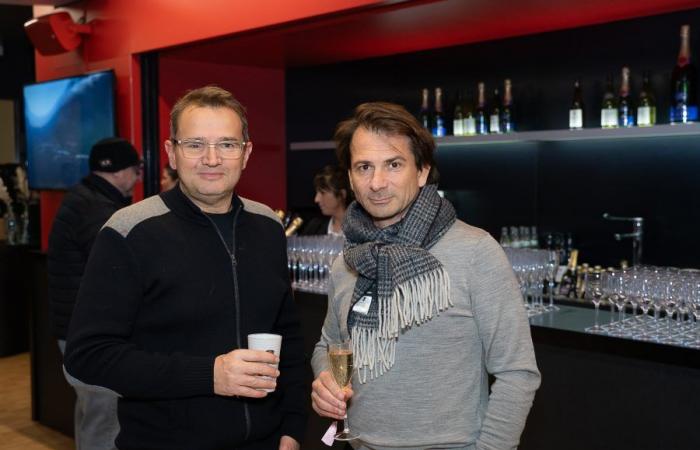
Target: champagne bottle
x: 507, y: 112
x: 458, y: 117
x: 439, y: 117
x: 581, y: 280
x: 608, y: 111
x: 495, y: 115
x: 567, y: 286
x: 624, y: 102
x: 425, y: 117
x: 293, y: 226
x: 469, y: 121
x: 576, y: 110
x: 481, y: 122
x: 684, y: 106
x: 646, y: 107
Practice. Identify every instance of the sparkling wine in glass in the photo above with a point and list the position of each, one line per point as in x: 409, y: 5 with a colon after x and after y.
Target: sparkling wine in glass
x: 340, y: 362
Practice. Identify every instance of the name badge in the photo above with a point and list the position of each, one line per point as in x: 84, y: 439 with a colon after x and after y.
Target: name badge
x: 362, y: 305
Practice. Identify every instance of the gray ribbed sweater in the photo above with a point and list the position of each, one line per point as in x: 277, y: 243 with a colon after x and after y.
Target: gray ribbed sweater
x: 437, y: 393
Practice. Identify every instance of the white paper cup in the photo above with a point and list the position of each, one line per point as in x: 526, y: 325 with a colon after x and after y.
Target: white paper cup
x: 266, y: 342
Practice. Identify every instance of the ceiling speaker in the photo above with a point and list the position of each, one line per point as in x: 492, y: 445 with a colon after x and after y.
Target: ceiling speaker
x: 55, y: 33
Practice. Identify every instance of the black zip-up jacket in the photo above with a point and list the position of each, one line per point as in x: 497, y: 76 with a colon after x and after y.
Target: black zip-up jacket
x: 83, y: 211
x: 161, y: 297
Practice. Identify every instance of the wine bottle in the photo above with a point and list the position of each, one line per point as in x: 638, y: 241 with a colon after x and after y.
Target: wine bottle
x: 458, y: 117
x: 581, y: 280
x: 576, y: 110
x: 567, y: 286
x: 469, y: 121
x: 439, y: 116
x: 624, y: 102
x: 505, y: 237
x: 608, y: 110
x: 646, y: 107
x: 684, y: 106
x: 293, y: 226
x: 425, y: 116
x: 481, y: 122
x: 495, y: 115
x: 507, y: 112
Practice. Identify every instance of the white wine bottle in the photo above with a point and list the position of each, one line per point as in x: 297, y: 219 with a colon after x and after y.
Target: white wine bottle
x: 608, y: 111
x: 576, y: 109
x: 646, y: 106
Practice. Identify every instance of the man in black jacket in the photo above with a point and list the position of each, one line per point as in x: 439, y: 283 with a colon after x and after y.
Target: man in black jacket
x: 115, y: 169
x: 174, y: 285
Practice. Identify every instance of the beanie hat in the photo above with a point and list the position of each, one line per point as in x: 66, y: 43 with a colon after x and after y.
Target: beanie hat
x: 112, y: 155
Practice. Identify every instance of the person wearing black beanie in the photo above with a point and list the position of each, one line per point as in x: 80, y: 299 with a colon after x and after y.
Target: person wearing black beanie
x: 115, y: 168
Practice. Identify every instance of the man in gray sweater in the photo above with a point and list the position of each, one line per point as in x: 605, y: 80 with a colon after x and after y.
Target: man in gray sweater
x: 430, y: 304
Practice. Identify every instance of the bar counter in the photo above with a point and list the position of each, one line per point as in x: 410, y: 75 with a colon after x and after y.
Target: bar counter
x: 597, y: 392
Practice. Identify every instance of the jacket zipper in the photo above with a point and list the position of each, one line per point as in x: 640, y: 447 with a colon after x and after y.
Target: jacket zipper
x: 236, y: 301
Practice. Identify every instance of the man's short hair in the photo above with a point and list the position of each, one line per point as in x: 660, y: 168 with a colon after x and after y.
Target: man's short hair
x: 393, y: 120
x: 207, y: 97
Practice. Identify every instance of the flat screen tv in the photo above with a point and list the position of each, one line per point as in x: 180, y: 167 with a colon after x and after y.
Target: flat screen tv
x: 63, y: 119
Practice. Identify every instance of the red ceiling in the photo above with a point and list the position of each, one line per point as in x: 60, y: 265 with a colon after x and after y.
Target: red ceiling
x: 412, y: 26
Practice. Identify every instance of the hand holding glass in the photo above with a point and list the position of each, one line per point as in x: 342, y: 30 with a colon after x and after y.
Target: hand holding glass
x: 340, y: 363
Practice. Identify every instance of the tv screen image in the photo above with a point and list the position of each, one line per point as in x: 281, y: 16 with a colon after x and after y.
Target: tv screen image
x: 63, y: 119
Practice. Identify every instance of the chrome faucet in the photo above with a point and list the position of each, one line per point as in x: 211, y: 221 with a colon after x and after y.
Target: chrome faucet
x: 636, y: 235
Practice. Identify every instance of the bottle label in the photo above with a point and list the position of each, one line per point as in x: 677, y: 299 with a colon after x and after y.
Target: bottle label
x: 439, y: 129
x: 469, y: 125
x: 644, y: 116
x: 608, y: 118
x: 575, y: 119
x: 458, y: 127
x: 626, y: 117
x: 684, y: 114
x: 561, y: 270
x: 494, y: 126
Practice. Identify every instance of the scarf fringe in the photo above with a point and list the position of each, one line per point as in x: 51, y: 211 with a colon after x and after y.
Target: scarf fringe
x: 413, y: 302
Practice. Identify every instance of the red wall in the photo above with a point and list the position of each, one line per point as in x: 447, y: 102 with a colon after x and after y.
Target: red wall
x: 122, y: 29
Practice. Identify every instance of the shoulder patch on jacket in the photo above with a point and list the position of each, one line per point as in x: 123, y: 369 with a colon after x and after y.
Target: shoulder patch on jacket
x: 259, y: 208
x: 124, y: 220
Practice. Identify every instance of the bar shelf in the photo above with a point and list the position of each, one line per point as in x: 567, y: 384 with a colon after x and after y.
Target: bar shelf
x: 540, y: 136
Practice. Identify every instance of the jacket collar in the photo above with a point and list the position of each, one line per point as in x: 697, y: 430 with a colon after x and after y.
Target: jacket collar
x: 106, y: 188
x: 181, y: 205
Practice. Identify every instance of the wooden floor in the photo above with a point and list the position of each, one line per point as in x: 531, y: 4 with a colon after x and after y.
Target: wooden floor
x: 17, y: 430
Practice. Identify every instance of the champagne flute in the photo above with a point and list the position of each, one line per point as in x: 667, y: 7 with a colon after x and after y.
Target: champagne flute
x: 594, y: 292
x: 340, y: 362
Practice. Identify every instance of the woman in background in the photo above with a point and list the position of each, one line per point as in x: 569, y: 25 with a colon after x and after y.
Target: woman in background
x: 333, y: 195
x: 168, y: 178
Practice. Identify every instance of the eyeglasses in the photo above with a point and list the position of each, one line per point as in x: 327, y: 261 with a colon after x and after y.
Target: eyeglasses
x: 196, y: 148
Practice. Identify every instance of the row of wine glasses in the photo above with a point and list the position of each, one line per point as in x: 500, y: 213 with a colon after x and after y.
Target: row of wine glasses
x: 672, y: 296
x: 309, y: 260
x: 535, y: 270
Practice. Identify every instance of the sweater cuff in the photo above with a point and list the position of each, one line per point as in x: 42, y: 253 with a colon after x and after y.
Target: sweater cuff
x: 199, y: 376
x: 294, y: 425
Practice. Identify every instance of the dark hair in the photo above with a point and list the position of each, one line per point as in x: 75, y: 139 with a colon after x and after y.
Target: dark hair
x: 207, y: 96
x: 172, y: 173
x: 335, y: 180
x: 392, y: 119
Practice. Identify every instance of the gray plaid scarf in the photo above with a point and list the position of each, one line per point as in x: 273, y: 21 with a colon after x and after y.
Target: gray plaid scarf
x: 407, y: 283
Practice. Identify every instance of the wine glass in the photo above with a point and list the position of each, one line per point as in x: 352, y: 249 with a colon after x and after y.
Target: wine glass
x: 340, y: 362
x: 594, y: 292
x: 552, y: 264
